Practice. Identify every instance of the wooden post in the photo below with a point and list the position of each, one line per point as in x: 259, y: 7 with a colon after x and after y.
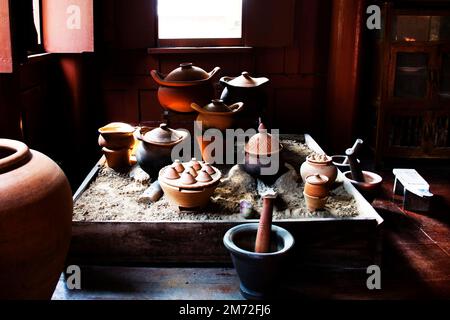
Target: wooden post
x: 343, y: 75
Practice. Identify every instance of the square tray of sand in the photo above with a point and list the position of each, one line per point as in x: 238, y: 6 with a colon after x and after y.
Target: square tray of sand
x: 111, y: 227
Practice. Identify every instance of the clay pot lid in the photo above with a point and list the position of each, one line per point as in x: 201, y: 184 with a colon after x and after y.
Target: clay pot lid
x: 319, y: 158
x: 117, y: 127
x: 195, y: 164
x: 261, y: 143
x: 187, y: 72
x: 163, y: 135
x: 247, y: 81
x: 317, y: 179
x: 217, y: 105
x: 191, y: 178
x: 178, y: 166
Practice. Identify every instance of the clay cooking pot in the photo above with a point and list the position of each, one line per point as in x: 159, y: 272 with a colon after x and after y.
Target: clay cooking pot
x: 217, y: 114
x: 35, y: 222
x: 183, y: 86
x: 155, y: 147
x: 319, y: 164
x: 116, y: 136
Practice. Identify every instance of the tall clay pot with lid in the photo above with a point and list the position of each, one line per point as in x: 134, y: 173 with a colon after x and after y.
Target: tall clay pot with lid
x: 155, y: 148
x: 183, y: 86
x: 35, y: 222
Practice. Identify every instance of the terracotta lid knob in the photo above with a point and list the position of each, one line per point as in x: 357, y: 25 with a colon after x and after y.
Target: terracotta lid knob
x: 204, y: 176
x: 195, y: 164
x: 171, y: 173
x: 261, y: 127
x: 207, y: 168
x: 187, y: 179
x: 178, y: 166
x: 246, y: 75
x: 186, y: 65
x: 193, y: 172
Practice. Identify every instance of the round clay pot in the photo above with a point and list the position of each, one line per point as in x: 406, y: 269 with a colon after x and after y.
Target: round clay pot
x: 321, y: 164
x: 35, y: 222
x: 190, y: 185
x: 259, y: 273
x: 155, y: 148
x: 217, y: 114
x: 247, y: 89
x: 116, y: 136
x: 118, y: 160
x: 316, y: 186
x: 315, y: 203
x: 371, y: 185
x: 183, y: 86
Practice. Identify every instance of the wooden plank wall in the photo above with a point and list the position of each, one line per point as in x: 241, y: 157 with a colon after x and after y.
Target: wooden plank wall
x: 297, y: 73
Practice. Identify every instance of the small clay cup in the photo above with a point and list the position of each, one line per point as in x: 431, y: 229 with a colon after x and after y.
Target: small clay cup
x: 259, y: 273
x: 315, y: 203
x: 118, y: 160
x: 116, y: 136
x: 317, y: 186
x: 371, y: 185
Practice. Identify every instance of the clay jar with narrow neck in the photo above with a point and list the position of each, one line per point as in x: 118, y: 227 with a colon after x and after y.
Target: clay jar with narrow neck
x: 183, y: 86
x: 319, y: 164
x: 155, y: 147
x: 35, y: 222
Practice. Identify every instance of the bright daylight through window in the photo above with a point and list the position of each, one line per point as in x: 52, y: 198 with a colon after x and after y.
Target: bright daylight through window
x: 199, y: 19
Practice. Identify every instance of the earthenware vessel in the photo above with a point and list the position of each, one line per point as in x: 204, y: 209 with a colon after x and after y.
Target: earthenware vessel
x: 217, y: 114
x: 315, y: 203
x: 118, y: 160
x: 371, y: 185
x: 155, y: 147
x: 192, y: 187
x: 35, y: 222
x: 321, y: 164
x: 262, y: 152
x: 316, y: 186
x: 183, y: 86
x: 247, y: 89
x: 259, y: 273
x: 116, y: 135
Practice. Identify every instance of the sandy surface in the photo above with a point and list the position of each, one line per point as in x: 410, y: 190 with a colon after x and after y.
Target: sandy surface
x: 114, y: 197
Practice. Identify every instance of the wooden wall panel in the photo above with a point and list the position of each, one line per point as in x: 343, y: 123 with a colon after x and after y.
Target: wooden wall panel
x: 149, y: 107
x: 120, y: 106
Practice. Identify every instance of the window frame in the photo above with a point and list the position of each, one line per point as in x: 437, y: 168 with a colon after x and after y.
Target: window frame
x: 40, y: 47
x: 201, y: 42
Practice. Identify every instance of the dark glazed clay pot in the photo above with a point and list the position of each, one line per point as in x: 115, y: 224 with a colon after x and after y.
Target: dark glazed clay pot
x: 35, y: 222
x: 155, y: 147
x: 247, y: 89
x: 258, y: 272
x: 183, y: 86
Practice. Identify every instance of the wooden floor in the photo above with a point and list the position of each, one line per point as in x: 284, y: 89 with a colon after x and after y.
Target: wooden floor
x: 415, y: 263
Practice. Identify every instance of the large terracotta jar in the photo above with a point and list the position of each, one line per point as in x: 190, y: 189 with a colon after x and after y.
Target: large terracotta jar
x: 35, y: 222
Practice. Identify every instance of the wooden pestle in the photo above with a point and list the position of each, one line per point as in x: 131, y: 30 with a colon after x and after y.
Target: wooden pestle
x: 356, y: 148
x: 262, y: 244
x: 355, y: 168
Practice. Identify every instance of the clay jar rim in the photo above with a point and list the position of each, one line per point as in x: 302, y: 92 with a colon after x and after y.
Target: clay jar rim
x: 117, y: 128
x: 228, y: 240
x: 320, y: 163
x: 18, y: 153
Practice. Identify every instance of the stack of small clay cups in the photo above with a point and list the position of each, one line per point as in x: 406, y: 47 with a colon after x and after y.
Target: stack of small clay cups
x: 117, y: 140
x: 316, y: 191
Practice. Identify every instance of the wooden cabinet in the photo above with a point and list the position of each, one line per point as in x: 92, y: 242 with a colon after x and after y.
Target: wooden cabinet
x: 412, y: 100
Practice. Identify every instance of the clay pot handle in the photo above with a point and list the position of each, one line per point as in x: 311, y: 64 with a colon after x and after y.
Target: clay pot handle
x: 237, y: 107
x: 158, y: 77
x: 224, y: 80
x: 196, y: 107
x: 214, y: 72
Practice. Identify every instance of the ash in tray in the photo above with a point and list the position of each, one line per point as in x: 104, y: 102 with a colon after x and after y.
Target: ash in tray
x: 115, y: 197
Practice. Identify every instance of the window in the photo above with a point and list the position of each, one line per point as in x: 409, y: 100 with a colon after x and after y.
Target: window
x: 208, y: 22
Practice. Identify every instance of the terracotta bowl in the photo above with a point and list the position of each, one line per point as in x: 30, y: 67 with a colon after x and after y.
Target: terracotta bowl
x: 116, y: 136
x: 370, y: 187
